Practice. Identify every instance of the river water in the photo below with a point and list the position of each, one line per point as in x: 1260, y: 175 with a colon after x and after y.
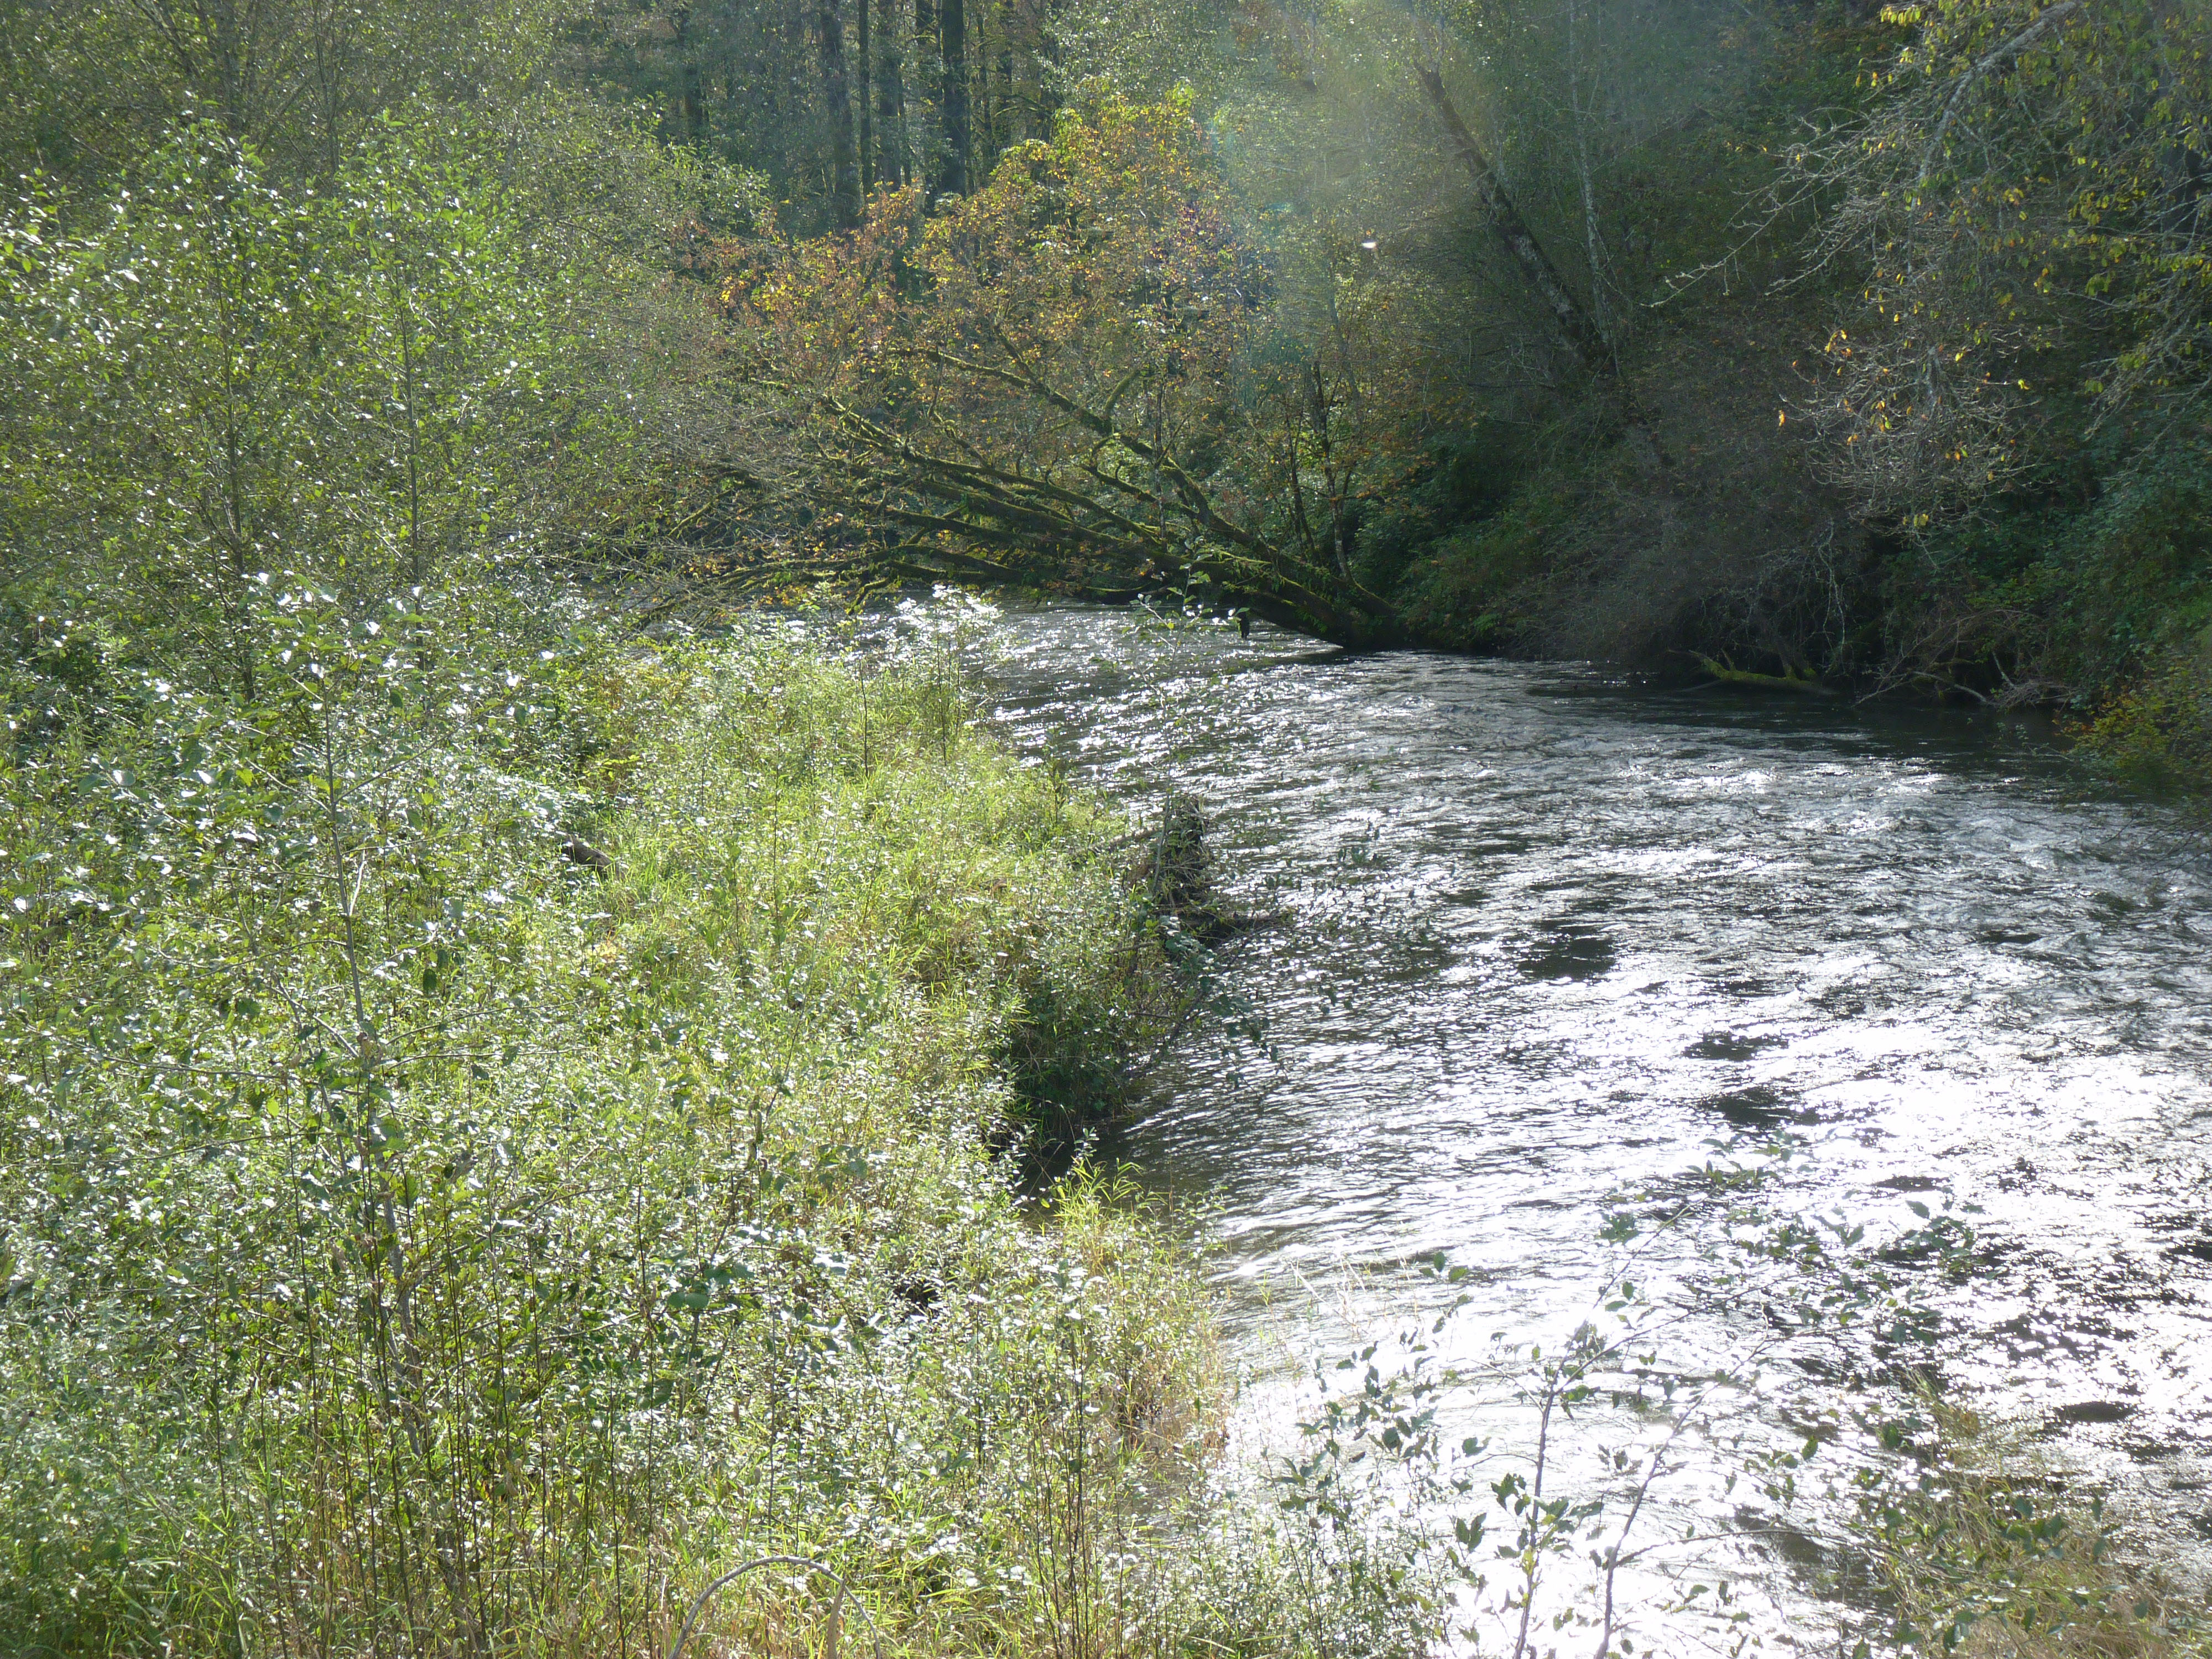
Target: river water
x: 1540, y: 934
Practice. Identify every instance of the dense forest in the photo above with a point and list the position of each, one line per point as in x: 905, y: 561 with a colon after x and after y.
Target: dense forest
x: 1849, y: 348
x: 1854, y: 348
x: 511, y: 1106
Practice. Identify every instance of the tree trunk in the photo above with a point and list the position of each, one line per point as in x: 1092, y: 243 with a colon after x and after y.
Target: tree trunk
x: 891, y: 99
x: 952, y: 177
x: 1010, y: 129
x: 866, y: 43
x: 1592, y: 243
x: 688, y: 119
x: 1575, y: 324
x: 983, y: 113
x: 837, y: 94
x: 783, y: 106
x: 927, y: 118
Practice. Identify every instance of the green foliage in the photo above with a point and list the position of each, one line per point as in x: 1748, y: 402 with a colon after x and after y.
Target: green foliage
x: 414, y: 1237
x: 2159, y: 731
x: 373, y: 385
x: 2089, y: 588
x: 497, y: 1119
x: 1464, y: 480
x: 1466, y: 589
x: 1978, y: 1549
x: 89, y: 90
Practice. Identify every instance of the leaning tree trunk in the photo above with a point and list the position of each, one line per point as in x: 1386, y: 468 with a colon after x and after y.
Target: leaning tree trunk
x: 1576, y: 326
x: 837, y: 93
x: 1108, y: 531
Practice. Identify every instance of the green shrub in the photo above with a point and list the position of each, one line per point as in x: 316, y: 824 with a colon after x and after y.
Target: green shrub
x: 2159, y: 731
x: 1461, y: 593
x: 1986, y: 1553
x: 419, y: 1239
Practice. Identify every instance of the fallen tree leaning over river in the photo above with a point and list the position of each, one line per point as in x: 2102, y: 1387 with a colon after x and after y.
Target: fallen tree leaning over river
x: 1053, y: 383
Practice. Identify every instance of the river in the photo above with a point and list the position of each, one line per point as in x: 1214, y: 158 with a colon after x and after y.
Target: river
x: 1542, y: 934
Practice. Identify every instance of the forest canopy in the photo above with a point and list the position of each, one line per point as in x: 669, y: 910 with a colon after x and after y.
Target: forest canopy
x: 1848, y: 346
x: 1826, y: 343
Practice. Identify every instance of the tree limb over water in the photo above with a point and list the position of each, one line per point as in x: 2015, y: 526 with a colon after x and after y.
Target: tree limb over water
x: 983, y: 522
x: 1053, y: 383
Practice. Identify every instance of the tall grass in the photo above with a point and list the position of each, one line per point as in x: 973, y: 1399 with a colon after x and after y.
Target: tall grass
x: 417, y: 1241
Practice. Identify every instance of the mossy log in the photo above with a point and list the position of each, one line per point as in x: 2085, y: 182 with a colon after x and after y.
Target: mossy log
x: 1729, y: 674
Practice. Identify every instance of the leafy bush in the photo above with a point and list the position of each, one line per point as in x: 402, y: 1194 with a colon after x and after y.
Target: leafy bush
x: 1980, y: 1549
x: 418, y: 1239
x: 219, y: 377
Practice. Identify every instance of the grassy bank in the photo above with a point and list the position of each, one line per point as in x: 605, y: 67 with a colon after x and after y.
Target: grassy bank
x: 419, y: 1239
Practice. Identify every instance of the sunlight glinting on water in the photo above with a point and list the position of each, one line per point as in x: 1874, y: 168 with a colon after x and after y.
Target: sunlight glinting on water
x: 1539, y: 936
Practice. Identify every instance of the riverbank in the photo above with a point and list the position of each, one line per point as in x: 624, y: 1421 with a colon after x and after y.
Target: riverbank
x: 504, y: 1129
x: 1743, y: 564
x: 2026, y: 538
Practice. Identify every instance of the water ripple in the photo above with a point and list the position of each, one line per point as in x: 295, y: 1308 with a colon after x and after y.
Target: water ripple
x: 1549, y: 933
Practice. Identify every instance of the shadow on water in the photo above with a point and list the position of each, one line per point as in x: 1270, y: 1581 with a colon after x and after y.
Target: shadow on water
x: 1726, y: 1045
x: 1758, y: 1109
x: 1569, y: 949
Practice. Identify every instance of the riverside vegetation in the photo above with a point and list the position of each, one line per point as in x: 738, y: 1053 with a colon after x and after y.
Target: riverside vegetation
x: 504, y: 1113
x: 507, y: 1125
x: 1821, y: 346
x: 504, y: 1120
x: 419, y: 1240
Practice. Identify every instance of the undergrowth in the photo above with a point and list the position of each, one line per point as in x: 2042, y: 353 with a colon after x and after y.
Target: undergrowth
x: 501, y: 1128
x: 1987, y: 1553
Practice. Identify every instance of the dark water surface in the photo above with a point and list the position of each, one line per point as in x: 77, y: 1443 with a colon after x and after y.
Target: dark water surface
x: 1545, y: 933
